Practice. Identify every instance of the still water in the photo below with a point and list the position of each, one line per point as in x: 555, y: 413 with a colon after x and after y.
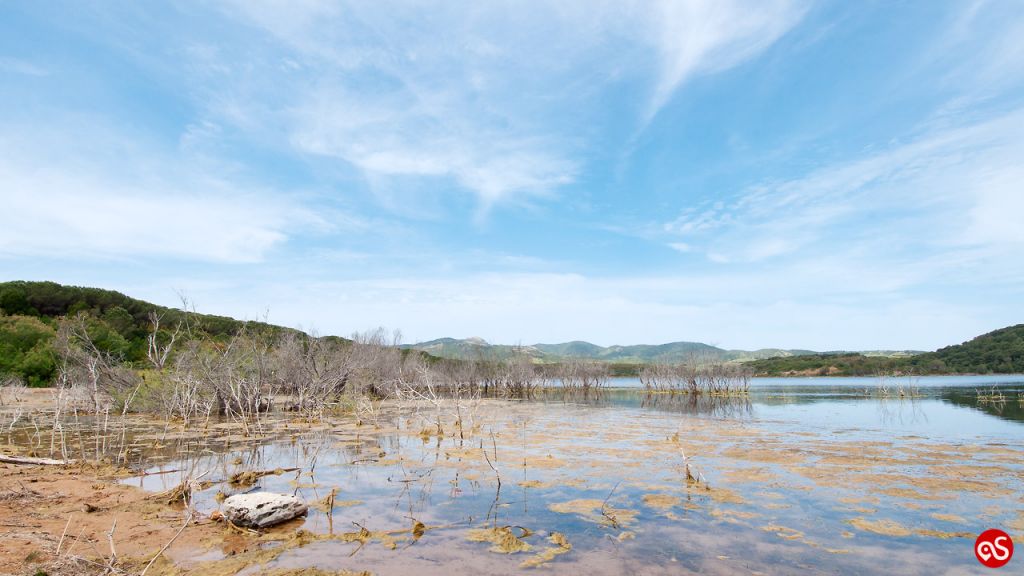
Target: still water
x: 819, y: 476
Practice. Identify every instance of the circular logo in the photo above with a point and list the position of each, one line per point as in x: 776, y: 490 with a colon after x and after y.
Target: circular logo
x: 994, y: 548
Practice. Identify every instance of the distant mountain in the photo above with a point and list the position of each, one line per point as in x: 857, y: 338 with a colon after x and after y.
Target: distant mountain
x: 641, y: 353
x: 574, y: 349
x: 478, y: 348
x: 473, y: 349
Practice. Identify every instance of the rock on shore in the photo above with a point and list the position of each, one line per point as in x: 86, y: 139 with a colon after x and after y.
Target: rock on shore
x: 262, y: 509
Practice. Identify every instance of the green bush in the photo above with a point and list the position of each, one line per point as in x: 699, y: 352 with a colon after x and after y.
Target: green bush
x: 26, y: 349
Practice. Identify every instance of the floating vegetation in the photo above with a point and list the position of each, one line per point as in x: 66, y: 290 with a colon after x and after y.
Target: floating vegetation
x: 944, y: 535
x: 595, y: 510
x: 561, y: 546
x: 330, y: 502
x: 503, y: 539
x: 725, y: 495
x: 249, y: 478
x: 750, y: 475
x: 733, y: 514
x: 883, y: 527
x: 661, y: 501
x: 783, y: 532
x: 949, y: 518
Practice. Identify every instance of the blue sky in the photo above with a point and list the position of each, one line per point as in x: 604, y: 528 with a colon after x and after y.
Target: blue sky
x: 825, y: 175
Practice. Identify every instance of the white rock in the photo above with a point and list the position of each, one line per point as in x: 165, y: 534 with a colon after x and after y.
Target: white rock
x: 262, y: 509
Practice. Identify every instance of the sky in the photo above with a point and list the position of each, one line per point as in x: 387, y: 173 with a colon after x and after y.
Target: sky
x: 764, y: 173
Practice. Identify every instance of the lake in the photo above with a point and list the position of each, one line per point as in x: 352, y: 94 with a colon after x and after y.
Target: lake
x: 816, y: 475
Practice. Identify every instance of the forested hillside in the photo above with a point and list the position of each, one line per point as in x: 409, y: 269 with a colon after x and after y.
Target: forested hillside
x: 998, y: 352
x: 118, y: 325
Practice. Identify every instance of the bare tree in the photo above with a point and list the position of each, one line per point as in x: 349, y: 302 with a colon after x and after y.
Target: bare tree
x: 84, y: 363
x: 158, y: 352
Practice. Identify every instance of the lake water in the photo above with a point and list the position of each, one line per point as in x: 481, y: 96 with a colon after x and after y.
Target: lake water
x: 824, y: 476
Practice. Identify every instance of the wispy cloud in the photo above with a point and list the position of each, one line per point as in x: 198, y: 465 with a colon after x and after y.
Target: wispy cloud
x: 19, y: 66
x: 708, y: 36
x: 65, y: 200
x: 963, y: 181
x: 499, y: 99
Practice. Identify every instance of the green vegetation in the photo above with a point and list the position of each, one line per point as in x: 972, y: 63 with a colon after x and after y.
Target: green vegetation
x: 26, y: 349
x: 838, y: 364
x: 119, y: 326
x: 671, y: 353
x: 998, y: 352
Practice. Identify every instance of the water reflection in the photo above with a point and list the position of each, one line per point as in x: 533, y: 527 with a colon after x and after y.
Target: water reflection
x: 1000, y: 396
x: 787, y: 479
x: 730, y: 407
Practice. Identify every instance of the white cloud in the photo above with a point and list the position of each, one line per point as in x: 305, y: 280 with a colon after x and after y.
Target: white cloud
x: 996, y: 216
x: 708, y: 36
x: 498, y: 98
x: 397, y: 140
x: 950, y: 187
x: 65, y: 202
x: 801, y: 304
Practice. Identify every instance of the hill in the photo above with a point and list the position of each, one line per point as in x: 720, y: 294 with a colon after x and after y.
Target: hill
x: 118, y: 324
x: 827, y: 364
x: 672, y: 352
x: 474, y: 349
x: 997, y: 352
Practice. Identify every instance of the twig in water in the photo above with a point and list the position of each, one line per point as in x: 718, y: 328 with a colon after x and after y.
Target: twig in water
x: 604, y: 507
x: 496, y: 473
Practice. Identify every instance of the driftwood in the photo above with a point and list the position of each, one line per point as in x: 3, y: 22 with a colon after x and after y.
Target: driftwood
x: 33, y: 461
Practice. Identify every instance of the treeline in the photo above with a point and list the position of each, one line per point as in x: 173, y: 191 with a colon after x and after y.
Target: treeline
x: 844, y: 364
x: 998, y: 352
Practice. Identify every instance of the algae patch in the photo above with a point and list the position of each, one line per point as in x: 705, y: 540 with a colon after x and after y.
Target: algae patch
x: 502, y: 539
x: 883, y: 527
x: 561, y: 546
x: 660, y: 501
x: 595, y: 511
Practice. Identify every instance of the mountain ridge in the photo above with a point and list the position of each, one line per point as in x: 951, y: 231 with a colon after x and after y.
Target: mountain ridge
x: 680, y: 351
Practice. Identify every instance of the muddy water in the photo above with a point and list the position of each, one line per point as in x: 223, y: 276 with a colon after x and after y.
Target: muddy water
x: 795, y: 478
